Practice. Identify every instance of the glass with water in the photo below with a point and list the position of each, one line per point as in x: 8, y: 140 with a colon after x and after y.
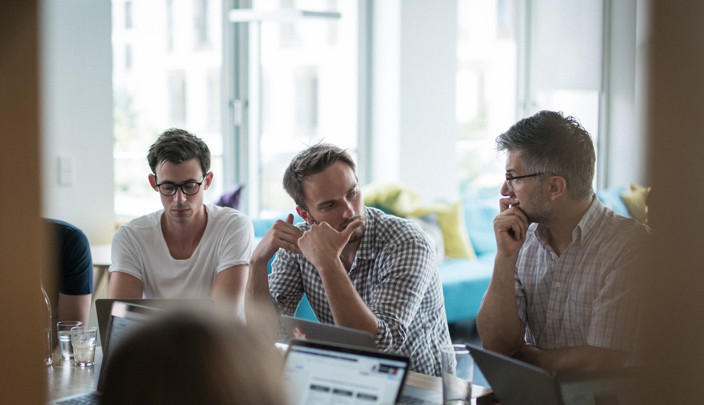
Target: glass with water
x: 63, y: 331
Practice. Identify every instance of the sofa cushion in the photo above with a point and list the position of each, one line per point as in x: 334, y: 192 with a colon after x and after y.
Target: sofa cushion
x: 464, y: 283
x: 479, y: 221
x: 611, y: 198
x: 635, y: 200
x: 452, y: 224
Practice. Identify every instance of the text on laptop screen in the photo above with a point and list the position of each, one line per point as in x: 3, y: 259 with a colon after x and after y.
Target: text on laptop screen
x: 321, y: 376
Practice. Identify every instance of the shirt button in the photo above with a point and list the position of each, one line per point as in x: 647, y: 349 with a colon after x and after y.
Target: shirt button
x: 557, y: 284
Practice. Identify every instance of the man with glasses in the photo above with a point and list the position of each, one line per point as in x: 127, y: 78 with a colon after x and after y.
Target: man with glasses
x: 188, y: 249
x: 563, y: 292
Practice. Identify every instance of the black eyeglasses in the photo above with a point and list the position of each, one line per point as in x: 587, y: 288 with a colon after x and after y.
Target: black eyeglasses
x: 510, y: 178
x: 188, y: 188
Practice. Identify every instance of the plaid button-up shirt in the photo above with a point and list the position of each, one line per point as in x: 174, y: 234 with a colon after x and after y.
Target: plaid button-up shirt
x: 587, y: 295
x: 395, y: 273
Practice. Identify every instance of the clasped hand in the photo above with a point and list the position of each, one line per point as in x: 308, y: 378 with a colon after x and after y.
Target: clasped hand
x: 510, y: 226
x: 322, y: 243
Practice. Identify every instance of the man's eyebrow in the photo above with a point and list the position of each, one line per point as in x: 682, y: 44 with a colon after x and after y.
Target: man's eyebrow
x: 322, y: 203
x: 173, y: 182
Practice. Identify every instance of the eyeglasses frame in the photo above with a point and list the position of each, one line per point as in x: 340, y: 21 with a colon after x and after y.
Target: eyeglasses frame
x: 180, y: 185
x: 510, y: 178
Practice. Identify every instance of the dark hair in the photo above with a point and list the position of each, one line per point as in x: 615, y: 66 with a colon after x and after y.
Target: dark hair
x: 311, y: 161
x: 189, y: 358
x: 553, y: 144
x: 177, y: 146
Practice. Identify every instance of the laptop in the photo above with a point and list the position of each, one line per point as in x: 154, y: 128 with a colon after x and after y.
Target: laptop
x: 104, y: 305
x: 302, y: 329
x: 123, y: 319
x: 326, y: 373
x: 517, y: 382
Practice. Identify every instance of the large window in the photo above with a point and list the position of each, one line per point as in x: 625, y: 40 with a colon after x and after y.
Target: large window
x: 514, y: 59
x: 486, y: 91
x: 166, y: 73
x: 298, y: 85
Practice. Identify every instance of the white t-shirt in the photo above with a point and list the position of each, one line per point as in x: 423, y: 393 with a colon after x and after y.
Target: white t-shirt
x: 139, y: 249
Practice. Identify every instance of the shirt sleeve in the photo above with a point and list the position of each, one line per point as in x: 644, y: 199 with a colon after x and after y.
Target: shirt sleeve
x: 285, y: 282
x: 237, y: 243
x: 407, y: 270
x: 76, y: 263
x: 125, y: 254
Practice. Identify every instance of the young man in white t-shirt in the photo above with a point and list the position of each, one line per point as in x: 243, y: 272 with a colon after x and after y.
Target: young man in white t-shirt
x: 188, y: 249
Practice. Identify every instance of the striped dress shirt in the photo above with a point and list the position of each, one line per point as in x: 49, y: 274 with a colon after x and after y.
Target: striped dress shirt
x: 587, y: 295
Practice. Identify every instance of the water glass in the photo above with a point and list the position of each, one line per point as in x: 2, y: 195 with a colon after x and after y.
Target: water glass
x: 457, y: 372
x: 84, y: 339
x: 63, y: 332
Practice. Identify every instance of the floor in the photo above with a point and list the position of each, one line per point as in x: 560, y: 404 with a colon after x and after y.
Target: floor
x: 466, y: 332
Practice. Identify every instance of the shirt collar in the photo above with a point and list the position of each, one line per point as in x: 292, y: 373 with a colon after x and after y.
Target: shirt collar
x: 584, y: 227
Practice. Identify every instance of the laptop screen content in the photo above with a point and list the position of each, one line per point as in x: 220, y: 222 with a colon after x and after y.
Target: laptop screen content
x: 325, y: 374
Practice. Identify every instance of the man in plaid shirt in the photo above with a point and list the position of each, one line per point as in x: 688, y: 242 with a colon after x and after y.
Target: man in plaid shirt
x: 563, y: 293
x: 359, y: 267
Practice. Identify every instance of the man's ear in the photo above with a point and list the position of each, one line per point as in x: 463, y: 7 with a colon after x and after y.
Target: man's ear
x: 558, y: 186
x: 304, y: 214
x: 152, y: 182
x: 208, y: 180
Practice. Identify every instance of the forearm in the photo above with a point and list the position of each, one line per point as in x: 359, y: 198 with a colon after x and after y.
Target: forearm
x: 347, y: 307
x: 74, y: 307
x: 580, y: 358
x: 259, y: 308
x: 498, y: 324
x: 123, y: 285
x: 229, y: 288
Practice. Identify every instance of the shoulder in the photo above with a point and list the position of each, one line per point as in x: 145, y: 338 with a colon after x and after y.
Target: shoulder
x: 389, y: 228
x: 227, y: 216
x: 67, y: 232
x: 619, y: 226
x: 141, y: 225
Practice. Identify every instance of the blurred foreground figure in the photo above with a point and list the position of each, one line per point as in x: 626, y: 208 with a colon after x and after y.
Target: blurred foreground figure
x: 189, y: 358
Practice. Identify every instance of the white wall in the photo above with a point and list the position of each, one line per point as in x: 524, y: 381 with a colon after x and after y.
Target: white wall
x: 413, y: 113
x: 76, y: 104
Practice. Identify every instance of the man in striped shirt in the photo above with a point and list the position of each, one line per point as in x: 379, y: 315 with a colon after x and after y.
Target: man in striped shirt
x: 563, y: 292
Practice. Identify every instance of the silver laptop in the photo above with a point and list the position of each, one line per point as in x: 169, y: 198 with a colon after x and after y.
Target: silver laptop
x: 123, y: 319
x: 517, y: 382
x: 302, y: 329
x: 326, y: 373
x: 104, y: 305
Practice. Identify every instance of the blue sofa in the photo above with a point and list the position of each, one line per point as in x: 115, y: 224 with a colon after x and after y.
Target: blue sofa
x: 465, y: 281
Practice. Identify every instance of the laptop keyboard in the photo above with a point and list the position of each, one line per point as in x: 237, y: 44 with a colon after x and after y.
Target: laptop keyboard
x: 91, y: 398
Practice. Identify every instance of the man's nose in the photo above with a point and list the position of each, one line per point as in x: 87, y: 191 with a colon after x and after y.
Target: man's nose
x: 348, y: 212
x: 179, y: 195
x: 506, y: 190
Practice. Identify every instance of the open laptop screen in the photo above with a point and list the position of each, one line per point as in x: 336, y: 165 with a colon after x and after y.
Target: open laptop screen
x: 321, y: 373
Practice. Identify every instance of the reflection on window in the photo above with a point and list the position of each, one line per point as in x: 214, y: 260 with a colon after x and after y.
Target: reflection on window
x: 128, y: 15
x: 486, y: 91
x: 177, y: 97
x: 202, y: 25
x: 306, y: 93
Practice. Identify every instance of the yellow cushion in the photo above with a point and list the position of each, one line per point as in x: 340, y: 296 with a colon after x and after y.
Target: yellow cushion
x: 392, y: 198
x: 636, y: 202
x: 454, y: 233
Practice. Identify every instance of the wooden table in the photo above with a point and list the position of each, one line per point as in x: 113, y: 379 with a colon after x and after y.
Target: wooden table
x: 433, y: 383
x: 65, y: 379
